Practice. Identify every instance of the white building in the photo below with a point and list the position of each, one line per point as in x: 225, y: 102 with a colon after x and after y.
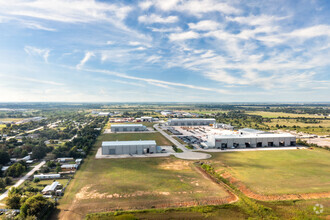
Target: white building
x: 70, y: 166
x: 128, y: 127
x: 166, y: 112
x: 65, y: 159
x: 47, y: 176
x: 147, y: 119
x: 190, y: 121
x: 224, y: 126
x: 247, y: 138
x: 49, y: 189
x: 128, y: 147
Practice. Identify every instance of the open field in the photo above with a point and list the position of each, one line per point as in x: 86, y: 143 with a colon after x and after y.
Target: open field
x: 278, y: 172
x: 322, y: 128
x: 298, y: 209
x: 147, y: 124
x: 103, y: 185
x: 292, y: 122
x: 281, y: 114
x: 159, y: 138
x: 11, y: 119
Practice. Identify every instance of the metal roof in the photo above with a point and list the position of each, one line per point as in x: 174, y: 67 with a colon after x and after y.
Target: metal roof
x: 191, y: 119
x: 51, y: 187
x: 265, y: 135
x: 127, y: 125
x: 127, y: 143
x: 251, y: 130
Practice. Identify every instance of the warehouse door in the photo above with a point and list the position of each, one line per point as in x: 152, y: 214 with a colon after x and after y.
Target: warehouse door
x: 112, y: 151
x: 259, y: 144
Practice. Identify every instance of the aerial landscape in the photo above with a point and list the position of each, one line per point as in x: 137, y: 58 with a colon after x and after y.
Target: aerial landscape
x: 154, y: 109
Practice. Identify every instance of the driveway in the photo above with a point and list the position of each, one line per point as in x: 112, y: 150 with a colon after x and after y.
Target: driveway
x: 20, y: 181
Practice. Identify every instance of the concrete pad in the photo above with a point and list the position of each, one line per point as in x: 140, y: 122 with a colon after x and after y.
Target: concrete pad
x: 189, y: 155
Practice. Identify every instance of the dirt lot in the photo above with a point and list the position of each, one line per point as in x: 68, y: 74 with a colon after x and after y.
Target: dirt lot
x: 107, y: 185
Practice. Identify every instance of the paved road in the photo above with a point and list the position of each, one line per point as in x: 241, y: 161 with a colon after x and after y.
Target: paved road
x: 19, y: 182
x: 187, y: 154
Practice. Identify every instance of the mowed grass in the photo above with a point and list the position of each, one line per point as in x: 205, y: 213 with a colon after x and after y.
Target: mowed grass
x: 281, y: 114
x: 158, y: 137
x: 109, y: 184
x: 278, y: 172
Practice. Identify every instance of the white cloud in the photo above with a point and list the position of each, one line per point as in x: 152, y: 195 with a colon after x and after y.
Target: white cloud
x: 153, y: 59
x: 87, y: 56
x: 134, y: 43
x: 164, y: 30
x: 74, y: 11
x: 183, y: 36
x: 109, y: 42
x: 153, y: 18
x: 29, y: 79
x: 205, y: 25
x: 260, y: 20
x: 145, y: 5
x: 34, y: 51
x: 156, y: 82
x: 196, y: 7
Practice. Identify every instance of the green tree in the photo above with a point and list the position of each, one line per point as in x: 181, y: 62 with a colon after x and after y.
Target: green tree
x: 37, y: 206
x: 2, y: 184
x: 13, y: 199
x: 4, y: 157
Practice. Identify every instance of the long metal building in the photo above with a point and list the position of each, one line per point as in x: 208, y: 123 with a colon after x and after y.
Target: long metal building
x: 128, y: 127
x: 190, y: 121
x: 128, y: 147
x: 247, y: 138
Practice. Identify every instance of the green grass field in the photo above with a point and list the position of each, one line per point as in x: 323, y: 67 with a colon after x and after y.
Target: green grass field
x: 278, y: 172
x: 109, y: 184
x: 158, y: 137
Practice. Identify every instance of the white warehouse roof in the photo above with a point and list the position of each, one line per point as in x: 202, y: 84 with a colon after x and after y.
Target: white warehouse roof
x: 125, y: 143
x: 191, y: 119
x: 127, y: 125
x: 264, y: 135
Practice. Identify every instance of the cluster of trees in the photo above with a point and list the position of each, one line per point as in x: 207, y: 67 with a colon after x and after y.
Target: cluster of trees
x: 56, y: 134
x: 16, y: 169
x: 86, y: 137
x: 239, y: 119
x: 5, y: 182
x: 32, y: 206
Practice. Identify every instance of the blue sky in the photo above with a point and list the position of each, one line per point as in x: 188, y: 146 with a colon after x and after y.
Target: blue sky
x: 164, y: 51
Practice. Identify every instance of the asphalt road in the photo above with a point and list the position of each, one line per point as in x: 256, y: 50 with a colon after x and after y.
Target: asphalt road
x: 187, y: 154
x: 19, y: 182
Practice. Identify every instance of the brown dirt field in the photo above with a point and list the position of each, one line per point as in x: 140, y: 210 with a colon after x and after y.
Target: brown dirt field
x: 244, y: 189
x: 176, y: 165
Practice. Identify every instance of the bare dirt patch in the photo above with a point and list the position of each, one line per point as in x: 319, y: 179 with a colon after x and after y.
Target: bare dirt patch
x: 175, y: 165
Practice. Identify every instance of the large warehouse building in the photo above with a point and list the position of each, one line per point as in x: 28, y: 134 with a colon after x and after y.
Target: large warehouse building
x: 128, y: 147
x: 128, y: 127
x: 190, y: 121
x: 251, y: 138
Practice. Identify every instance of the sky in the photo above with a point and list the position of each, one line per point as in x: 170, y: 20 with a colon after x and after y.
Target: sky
x: 164, y: 51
